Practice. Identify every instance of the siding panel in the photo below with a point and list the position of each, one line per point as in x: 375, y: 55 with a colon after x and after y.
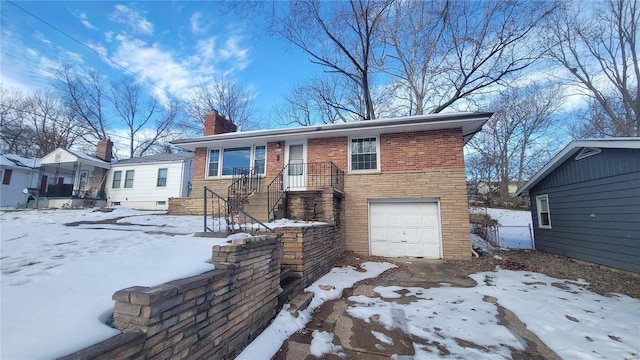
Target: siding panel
x: 606, y: 185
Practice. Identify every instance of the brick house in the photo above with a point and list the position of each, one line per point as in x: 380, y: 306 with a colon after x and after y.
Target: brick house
x: 401, y: 181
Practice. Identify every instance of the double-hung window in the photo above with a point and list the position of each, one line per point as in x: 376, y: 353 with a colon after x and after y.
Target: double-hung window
x: 117, y: 178
x: 128, y: 179
x: 544, y: 216
x: 162, y: 177
x: 364, y: 154
x: 223, y: 161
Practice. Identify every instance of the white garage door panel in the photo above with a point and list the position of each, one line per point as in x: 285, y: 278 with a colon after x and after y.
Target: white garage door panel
x: 405, y: 229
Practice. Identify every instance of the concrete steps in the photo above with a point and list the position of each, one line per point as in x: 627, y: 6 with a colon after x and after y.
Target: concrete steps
x: 256, y: 205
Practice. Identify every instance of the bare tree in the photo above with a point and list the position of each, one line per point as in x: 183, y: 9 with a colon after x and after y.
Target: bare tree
x: 225, y: 95
x: 443, y: 51
x: 52, y: 123
x: 343, y: 38
x: 515, y: 141
x: 597, y: 45
x: 84, y: 95
x: 15, y: 130
x: 147, y: 121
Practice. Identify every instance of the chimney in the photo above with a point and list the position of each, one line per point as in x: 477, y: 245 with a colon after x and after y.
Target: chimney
x: 215, y: 123
x: 104, y: 151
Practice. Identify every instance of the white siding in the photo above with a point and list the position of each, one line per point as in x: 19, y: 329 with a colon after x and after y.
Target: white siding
x: 11, y: 195
x: 145, y: 194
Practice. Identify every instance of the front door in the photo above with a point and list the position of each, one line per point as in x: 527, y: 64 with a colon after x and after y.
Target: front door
x: 296, y: 157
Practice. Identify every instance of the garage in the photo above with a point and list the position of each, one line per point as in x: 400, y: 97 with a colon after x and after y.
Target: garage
x: 405, y: 228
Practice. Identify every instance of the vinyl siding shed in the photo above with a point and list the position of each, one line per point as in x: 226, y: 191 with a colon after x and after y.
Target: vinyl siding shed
x: 585, y: 203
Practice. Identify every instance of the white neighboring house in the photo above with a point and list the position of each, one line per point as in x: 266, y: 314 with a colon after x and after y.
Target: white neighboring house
x: 16, y: 174
x: 147, y: 182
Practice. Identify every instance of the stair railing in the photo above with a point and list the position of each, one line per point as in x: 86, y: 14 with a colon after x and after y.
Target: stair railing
x: 276, y: 192
x: 221, y: 215
x: 245, y: 181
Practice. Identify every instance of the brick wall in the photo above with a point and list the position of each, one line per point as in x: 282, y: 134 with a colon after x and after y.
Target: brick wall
x: 210, y: 316
x: 329, y: 149
x: 422, y: 150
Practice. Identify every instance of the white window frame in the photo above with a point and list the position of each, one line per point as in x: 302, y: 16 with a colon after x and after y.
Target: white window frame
x: 132, y: 179
x: 378, y: 164
x: 252, y: 160
x: 539, y: 200
x: 119, y: 178
x: 166, y: 177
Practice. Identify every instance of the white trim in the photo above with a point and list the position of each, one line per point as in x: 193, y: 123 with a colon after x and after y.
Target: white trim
x: 252, y: 159
x: 470, y: 123
x: 539, y: 199
x: 365, y: 171
x: 302, y: 182
x: 570, y: 150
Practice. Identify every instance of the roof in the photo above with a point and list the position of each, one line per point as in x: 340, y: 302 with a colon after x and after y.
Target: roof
x: 17, y: 161
x: 61, y: 155
x: 156, y: 159
x: 573, y: 148
x: 470, y: 123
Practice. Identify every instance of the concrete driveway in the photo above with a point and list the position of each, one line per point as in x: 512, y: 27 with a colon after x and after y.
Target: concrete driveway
x: 371, y: 340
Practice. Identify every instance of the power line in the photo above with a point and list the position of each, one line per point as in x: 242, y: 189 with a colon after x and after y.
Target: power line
x: 90, y: 48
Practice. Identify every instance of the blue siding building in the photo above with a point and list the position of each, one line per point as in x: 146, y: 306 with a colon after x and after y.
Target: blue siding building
x: 585, y: 203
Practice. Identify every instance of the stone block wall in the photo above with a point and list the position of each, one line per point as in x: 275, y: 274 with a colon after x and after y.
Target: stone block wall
x: 311, y: 251
x: 209, y: 316
x: 315, y: 205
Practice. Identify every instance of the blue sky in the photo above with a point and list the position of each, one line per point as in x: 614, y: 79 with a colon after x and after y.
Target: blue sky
x: 172, y: 44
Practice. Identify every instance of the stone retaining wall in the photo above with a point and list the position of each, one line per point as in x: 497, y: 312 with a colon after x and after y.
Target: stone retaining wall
x: 310, y: 252
x: 210, y: 316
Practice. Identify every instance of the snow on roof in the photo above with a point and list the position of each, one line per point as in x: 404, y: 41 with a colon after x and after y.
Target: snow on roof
x: 17, y: 161
x: 156, y: 158
x: 571, y: 149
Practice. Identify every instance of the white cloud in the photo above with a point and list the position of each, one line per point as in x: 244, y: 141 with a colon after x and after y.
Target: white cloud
x: 233, y: 51
x: 74, y: 58
x: 38, y: 35
x: 196, y: 24
x: 108, y: 36
x: 99, y: 48
x: 85, y: 21
x: 133, y: 19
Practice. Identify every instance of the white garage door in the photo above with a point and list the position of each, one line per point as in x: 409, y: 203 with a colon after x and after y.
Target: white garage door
x: 405, y: 229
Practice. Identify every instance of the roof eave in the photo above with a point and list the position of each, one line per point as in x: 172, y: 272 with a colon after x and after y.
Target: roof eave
x: 572, y: 148
x: 470, y: 123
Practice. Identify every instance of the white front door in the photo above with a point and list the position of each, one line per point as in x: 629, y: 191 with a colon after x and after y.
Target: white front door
x: 409, y: 228
x: 295, y: 156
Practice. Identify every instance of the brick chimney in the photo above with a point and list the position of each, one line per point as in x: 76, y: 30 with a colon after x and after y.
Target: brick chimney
x: 215, y: 123
x: 104, y: 151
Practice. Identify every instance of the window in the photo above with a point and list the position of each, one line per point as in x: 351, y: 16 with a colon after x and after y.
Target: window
x: 259, y: 155
x: 223, y: 161
x: 235, y: 158
x: 6, y: 178
x: 117, y: 176
x: 162, y: 177
x: 214, y: 162
x: 128, y: 179
x: 544, y: 216
x: 364, y: 154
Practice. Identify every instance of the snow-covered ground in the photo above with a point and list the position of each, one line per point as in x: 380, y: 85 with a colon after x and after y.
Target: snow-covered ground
x: 515, y: 228
x: 57, y: 280
x: 573, y: 322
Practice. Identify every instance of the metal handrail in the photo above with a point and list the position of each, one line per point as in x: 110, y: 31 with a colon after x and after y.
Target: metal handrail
x: 308, y: 176
x: 245, y: 182
x: 228, y: 215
